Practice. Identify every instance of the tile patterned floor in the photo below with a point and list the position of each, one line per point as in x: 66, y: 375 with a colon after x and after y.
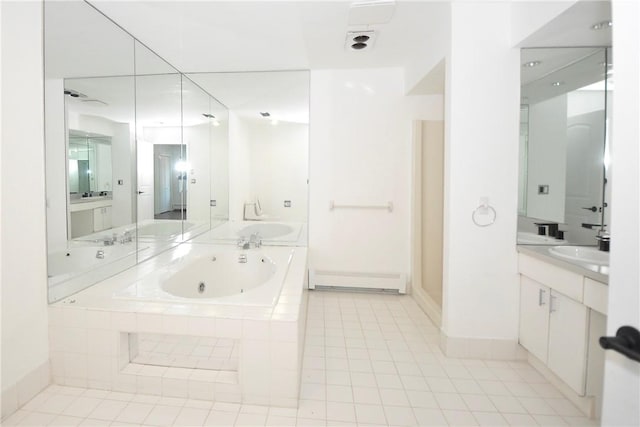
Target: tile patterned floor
x: 369, y: 360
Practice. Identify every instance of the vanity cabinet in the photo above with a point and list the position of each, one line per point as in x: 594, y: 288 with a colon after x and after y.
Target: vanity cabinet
x: 555, y: 319
x: 534, y: 317
x: 568, y: 323
x: 553, y: 328
x: 102, y: 218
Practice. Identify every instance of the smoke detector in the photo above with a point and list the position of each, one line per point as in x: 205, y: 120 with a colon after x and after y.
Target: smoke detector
x: 360, y: 40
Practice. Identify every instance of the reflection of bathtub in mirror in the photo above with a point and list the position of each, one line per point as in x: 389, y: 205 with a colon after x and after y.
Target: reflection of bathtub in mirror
x: 80, y: 263
x: 268, y: 230
x: 271, y: 233
x: 163, y: 228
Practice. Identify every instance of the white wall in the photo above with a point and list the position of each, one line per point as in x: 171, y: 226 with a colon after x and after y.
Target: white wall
x: 220, y: 171
x: 239, y: 167
x: 197, y: 140
x: 481, y: 160
x: 622, y: 375
x: 56, y: 172
x: 279, y: 158
x: 123, y: 168
x: 360, y: 145
x: 547, y: 159
x: 24, y: 276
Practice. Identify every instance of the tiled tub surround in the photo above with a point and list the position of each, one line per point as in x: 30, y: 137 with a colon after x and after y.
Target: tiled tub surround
x: 90, y: 334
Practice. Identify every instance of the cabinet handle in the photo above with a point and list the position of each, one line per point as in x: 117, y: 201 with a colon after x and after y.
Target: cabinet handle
x: 541, y: 297
x: 551, y: 309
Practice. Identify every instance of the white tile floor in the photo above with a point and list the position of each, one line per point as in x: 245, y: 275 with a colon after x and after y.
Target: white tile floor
x: 369, y: 360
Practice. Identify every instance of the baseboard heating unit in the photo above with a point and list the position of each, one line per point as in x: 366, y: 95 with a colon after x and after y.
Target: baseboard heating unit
x: 349, y: 280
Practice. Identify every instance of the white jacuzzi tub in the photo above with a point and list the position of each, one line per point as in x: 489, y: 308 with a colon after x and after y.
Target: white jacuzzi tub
x: 224, y: 275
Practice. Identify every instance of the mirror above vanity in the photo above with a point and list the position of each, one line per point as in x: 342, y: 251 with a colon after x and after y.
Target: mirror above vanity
x: 564, y: 139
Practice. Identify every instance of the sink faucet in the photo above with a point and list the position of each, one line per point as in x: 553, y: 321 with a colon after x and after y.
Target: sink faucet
x: 604, y: 240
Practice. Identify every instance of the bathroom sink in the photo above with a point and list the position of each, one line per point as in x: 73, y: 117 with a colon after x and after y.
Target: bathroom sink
x: 525, y: 238
x: 585, y: 254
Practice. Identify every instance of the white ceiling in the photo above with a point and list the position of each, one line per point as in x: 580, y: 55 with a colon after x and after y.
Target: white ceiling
x: 283, y: 94
x: 208, y: 36
x: 202, y: 37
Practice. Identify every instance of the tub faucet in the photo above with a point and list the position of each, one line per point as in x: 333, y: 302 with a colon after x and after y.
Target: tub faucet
x: 244, y: 243
x: 255, y: 240
x: 127, y: 237
x: 100, y: 254
x: 251, y: 241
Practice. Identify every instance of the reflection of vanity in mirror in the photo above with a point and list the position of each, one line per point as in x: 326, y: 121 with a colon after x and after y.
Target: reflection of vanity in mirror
x: 90, y: 182
x: 564, y: 116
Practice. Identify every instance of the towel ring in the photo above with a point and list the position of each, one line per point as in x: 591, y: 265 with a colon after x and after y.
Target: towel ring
x: 484, y: 210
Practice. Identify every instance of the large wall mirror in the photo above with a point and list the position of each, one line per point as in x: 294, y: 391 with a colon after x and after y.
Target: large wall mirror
x: 564, y: 142
x: 268, y: 153
x: 130, y: 143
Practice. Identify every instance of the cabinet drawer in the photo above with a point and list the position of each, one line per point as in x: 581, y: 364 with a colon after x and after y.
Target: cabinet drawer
x: 596, y: 295
x: 565, y: 282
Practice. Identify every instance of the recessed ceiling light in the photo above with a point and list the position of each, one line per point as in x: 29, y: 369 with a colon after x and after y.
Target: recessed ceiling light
x: 556, y: 84
x: 265, y: 114
x: 209, y: 116
x: 602, y: 25
x: 531, y: 64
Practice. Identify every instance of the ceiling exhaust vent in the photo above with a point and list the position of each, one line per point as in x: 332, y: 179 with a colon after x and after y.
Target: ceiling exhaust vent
x: 360, y: 40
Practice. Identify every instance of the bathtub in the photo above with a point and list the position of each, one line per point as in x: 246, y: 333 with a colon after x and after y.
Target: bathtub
x: 221, y: 276
x: 260, y: 304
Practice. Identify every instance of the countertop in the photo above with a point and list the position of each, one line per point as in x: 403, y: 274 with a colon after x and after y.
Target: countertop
x: 87, y: 203
x: 599, y: 273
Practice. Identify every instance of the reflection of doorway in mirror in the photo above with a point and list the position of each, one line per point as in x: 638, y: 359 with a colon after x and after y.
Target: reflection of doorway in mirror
x: 584, y: 175
x: 169, y: 181
x: 163, y: 180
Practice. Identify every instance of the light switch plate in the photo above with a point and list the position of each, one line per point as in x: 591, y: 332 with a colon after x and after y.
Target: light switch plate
x: 287, y: 203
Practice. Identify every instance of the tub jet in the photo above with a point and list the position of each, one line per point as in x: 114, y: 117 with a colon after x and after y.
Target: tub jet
x: 201, y: 287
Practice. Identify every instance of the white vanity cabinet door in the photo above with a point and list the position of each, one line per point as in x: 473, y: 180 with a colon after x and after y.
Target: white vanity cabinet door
x: 534, y: 317
x: 568, y: 323
x: 102, y: 218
